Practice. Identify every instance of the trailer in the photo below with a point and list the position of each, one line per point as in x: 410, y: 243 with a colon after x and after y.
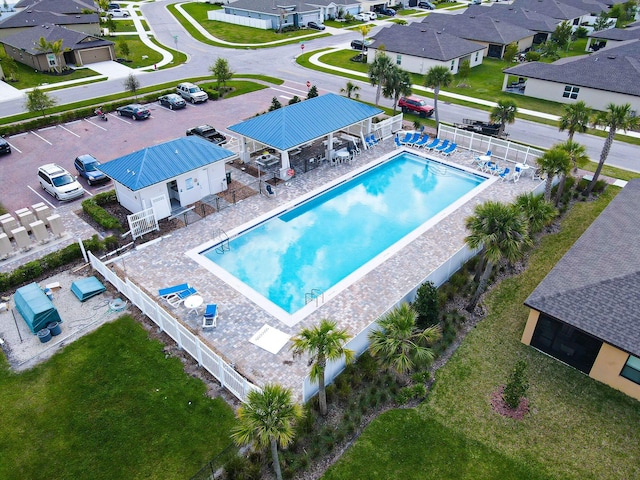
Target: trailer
x: 478, y: 126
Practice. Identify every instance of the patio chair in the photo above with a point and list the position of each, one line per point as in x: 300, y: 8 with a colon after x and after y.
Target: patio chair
x: 414, y: 138
x: 493, y: 168
x: 516, y: 174
x: 432, y: 144
x: 450, y: 149
x: 270, y: 191
x: 172, y: 291
x: 181, y: 296
x: 504, y: 174
x: 442, y: 146
x: 422, y: 142
x: 406, y: 138
x: 210, y: 317
x: 398, y: 141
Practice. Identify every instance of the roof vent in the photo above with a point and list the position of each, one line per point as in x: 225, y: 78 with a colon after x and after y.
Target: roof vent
x: 472, y: 16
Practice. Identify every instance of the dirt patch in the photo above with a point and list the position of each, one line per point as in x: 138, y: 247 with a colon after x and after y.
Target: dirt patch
x: 501, y: 407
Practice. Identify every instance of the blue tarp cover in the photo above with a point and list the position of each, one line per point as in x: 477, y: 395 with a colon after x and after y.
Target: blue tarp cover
x: 35, y: 307
x: 87, y: 288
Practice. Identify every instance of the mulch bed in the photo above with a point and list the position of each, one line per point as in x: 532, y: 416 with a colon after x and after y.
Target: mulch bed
x: 501, y: 407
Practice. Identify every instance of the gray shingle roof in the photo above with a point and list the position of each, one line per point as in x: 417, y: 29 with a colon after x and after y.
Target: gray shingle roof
x: 552, y: 8
x: 615, y: 69
x: 618, y: 34
x: 57, y: 6
x: 594, y: 287
x: 31, y: 18
x: 420, y: 41
x: 594, y: 7
x: 516, y: 16
x: 480, y: 29
x: 27, y: 39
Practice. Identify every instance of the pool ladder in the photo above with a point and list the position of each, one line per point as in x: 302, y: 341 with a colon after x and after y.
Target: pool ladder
x: 222, y: 239
x: 315, y: 294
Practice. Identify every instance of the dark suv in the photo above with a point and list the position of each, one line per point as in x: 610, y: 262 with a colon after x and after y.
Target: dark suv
x: 359, y: 45
x: 415, y: 105
x: 427, y: 5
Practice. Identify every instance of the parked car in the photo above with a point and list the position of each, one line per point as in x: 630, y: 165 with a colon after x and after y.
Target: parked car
x: 208, y: 133
x: 59, y: 183
x: 173, y: 101
x: 4, y: 146
x: 362, y: 17
x: 191, y: 92
x: 475, y: 2
x: 87, y: 167
x: 114, y: 6
x: 135, y: 111
x: 116, y: 13
x: 389, y: 12
x: 316, y: 26
x: 372, y: 15
x: 427, y: 5
x: 359, y: 45
x: 415, y: 105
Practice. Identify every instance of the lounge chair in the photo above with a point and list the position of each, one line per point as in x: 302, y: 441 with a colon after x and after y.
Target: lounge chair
x: 450, y: 149
x: 442, y: 146
x: 406, y: 138
x: 398, y: 141
x: 422, y: 142
x: 172, y: 291
x: 414, y: 138
x: 210, y: 317
x: 181, y: 296
x: 371, y: 140
x: 432, y: 144
x: 504, y: 174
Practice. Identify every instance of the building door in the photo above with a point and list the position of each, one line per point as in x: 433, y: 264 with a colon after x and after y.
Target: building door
x: 566, y: 343
x: 495, y: 51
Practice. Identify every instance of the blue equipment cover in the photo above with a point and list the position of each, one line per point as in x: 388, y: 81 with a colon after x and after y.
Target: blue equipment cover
x: 35, y: 307
x: 87, y: 288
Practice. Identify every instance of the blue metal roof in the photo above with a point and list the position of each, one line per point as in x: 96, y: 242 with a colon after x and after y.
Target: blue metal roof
x: 163, y: 162
x: 302, y: 122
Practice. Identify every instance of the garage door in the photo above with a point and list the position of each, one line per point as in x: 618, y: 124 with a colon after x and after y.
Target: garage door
x: 93, y: 55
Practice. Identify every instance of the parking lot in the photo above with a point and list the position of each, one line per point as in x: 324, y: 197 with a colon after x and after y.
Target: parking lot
x: 107, y: 140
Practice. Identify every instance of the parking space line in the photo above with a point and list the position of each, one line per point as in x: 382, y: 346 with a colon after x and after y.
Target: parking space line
x: 46, y: 128
x: 95, y: 124
x: 121, y: 119
x: 88, y: 192
x: 43, y: 139
x: 44, y: 199
x: 289, y: 91
x: 73, y: 122
x: 14, y: 148
x: 24, y: 134
x: 285, y: 97
x: 72, y: 133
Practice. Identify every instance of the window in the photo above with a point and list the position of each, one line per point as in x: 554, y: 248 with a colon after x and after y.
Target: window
x: 398, y: 59
x: 477, y: 53
x: 453, y: 65
x: 631, y: 370
x: 571, y: 92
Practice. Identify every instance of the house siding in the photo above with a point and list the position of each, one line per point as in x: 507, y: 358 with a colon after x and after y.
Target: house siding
x: 422, y: 65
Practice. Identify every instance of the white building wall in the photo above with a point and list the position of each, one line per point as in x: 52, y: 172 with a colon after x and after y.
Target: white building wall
x: 128, y: 198
x: 421, y: 65
x: 596, y: 99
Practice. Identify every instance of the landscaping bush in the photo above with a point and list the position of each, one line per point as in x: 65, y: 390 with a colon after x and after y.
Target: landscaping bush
x: 581, y: 32
x: 212, y: 93
x: 426, y: 305
x: 100, y: 215
x: 241, y: 468
x: 532, y: 56
x: 517, y: 385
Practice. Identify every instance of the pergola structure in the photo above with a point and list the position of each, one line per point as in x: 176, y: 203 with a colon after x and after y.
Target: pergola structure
x: 295, y: 126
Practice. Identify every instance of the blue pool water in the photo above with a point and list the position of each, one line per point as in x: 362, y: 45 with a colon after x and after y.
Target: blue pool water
x: 320, y: 242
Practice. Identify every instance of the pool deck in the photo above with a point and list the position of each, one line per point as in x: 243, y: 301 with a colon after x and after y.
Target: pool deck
x: 356, y: 307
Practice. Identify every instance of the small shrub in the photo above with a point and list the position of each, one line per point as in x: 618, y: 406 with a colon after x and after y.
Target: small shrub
x: 421, y: 377
x: 241, y: 468
x: 404, y: 395
x: 581, y: 32
x: 419, y: 391
x: 532, y: 56
x: 517, y: 385
x: 368, y: 366
x: 426, y: 305
x: 100, y: 215
x: 213, y: 94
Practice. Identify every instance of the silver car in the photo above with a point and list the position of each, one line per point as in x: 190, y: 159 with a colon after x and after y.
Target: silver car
x: 59, y: 183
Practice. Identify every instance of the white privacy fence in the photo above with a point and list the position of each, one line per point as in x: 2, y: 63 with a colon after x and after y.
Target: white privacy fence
x: 142, y: 222
x: 220, y: 16
x: 360, y: 342
x: 502, y: 149
x: 185, y: 338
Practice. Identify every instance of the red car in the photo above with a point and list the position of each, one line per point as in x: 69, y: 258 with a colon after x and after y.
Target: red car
x: 415, y: 105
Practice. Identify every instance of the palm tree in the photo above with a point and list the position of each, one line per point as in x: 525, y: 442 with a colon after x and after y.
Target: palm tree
x: 537, y: 210
x: 616, y: 117
x: 503, y: 113
x: 577, y: 153
x: 435, y: 78
x: 379, y: 70
x: 322, y: 342
x: 575, y: 118
x: 351, y: 90
x: 555, y: 161
x: 502, y: 231
x: 398, y: 85
x: 364, y: 29
x: 267, y: 419
x: 399, y: 344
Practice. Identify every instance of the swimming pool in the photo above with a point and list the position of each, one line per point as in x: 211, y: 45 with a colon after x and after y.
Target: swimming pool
x: 335, y: 236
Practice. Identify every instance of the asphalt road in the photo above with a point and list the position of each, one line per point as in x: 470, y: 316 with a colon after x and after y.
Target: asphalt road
x: 280, y: 62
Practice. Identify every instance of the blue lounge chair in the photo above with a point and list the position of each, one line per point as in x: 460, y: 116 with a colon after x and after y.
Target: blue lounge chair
x: 407, y: 136
x: 210, y: 317
x: 422, y: 142
x: 504, y: 174
x: 450, y: 149
x: 180, y: 296
x: 493, y: 168
x: 414, y: 138
x: 372, y: 140
x: 442, y: 146
x: 431, y: 145
x: 171, y: 291
x: 398, y: 141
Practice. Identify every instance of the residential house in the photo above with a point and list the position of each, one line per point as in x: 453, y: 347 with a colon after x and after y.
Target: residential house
x: 64, y: 13
x: 613, y: 37
x: 492, y: 34
x: 169, y: 176
x: 416, y: 48
x: 556, y: 9
x: 542, y: 25
x: 585, y: 311
x: 78, y: 48
x: 611, y: 75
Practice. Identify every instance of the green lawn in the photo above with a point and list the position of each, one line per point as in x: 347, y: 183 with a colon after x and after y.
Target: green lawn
x: 27, y: 77
x: 109, y: 406
x: 577, y: 428
x: 137, y: 50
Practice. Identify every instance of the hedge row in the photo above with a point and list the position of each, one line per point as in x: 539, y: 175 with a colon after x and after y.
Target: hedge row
x: 93, y: 208
x: 32, y: 271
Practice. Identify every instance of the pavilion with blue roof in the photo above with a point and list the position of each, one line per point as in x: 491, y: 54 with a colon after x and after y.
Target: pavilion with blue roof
x: 294, y: 126
x: 169, y: 176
